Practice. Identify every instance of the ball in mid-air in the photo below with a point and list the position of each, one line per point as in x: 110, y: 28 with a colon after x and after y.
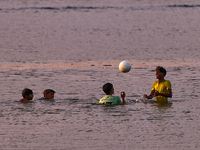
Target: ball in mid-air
x: 124, y: 66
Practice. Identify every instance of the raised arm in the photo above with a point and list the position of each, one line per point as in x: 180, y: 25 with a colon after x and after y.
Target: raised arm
x: 122, y: 97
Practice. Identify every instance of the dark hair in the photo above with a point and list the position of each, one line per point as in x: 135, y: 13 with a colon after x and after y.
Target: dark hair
x: 26, y: 92
x: 47, y: 91
x: 161, y: 69
x: 107, y: 88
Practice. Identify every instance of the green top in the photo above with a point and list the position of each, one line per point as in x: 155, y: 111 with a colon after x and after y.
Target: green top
x: 110, y: 100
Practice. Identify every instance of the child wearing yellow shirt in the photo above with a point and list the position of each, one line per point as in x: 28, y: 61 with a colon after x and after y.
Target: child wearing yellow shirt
x: 161, y: 88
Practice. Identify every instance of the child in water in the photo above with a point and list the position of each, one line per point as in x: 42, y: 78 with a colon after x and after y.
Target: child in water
x: 48, y: 94
x: 27, y: 95
x: 161, y: 88
x: 109, y: 99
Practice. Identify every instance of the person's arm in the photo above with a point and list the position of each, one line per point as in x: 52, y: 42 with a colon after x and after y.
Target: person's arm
x: 122, y: 97
x: 169, y: 94
x: 149, y: 96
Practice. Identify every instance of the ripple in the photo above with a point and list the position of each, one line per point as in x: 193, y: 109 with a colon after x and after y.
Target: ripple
x: 61, y: 8
x: 184, y: 6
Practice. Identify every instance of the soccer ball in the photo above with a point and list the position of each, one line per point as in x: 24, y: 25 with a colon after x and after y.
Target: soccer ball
x: 124, y: 66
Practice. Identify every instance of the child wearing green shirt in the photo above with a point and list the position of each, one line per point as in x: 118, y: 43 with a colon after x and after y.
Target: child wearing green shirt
x: 109, y: 99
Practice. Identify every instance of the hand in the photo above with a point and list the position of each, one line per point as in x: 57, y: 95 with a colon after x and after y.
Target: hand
x: 123, y: 94
x: 144, y: 96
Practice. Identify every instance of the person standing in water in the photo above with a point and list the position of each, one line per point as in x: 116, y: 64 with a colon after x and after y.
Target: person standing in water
x: 161, y: 88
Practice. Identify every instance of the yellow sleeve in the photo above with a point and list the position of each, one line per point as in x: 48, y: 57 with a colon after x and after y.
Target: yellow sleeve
x: 153, y: 87
x: 169, y: 86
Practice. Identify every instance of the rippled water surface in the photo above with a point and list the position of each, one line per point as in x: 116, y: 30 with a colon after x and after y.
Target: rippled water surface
x: 74, y: 47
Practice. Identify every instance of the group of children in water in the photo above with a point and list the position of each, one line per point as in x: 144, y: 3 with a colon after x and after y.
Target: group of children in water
x: 161, y: 90
x: 28, y: 95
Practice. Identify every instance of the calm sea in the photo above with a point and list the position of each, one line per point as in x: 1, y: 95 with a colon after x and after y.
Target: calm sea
x: 74, y: 47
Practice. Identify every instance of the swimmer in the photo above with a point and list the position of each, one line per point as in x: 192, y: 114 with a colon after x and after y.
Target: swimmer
x: 48, y: 94
x: 27, y: 95
x: 109, y: 99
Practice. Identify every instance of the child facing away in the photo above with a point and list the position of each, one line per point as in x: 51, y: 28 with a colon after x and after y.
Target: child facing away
x: 27, y: 95
x: 161, y: 88
x: 48, y: 94
x: 109, y: 99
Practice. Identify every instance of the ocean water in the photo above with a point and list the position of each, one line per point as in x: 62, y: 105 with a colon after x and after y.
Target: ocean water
x: 74, y: 47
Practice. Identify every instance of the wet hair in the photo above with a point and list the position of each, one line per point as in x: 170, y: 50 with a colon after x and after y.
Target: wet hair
x: 47, y: 91
x: 107, y: 88
x: 161, y: 69
x: 26, y: 92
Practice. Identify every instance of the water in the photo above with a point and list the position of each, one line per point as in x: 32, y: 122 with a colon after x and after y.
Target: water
x: 74, y: 47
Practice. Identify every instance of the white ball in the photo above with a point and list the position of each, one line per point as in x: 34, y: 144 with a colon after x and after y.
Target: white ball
x: 124, y: 66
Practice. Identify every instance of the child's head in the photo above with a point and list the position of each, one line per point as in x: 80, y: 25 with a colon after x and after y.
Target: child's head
x: 108, y: 88
x: 27, y: 94
x: 49, y: 94
x: 161, y: 69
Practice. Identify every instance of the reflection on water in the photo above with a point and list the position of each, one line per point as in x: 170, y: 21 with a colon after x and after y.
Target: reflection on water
x: 162, y: 105
x: 162, y: 116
